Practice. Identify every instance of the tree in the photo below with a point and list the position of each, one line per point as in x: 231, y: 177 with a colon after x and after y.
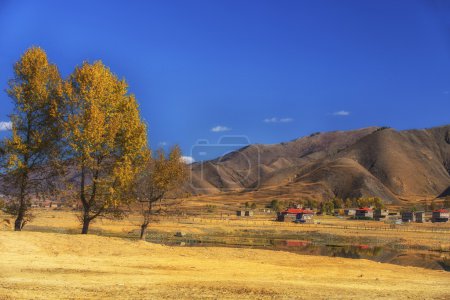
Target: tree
x: 311, y: 203
x: 338, y: 202
x: 348, y: 203
x: 361, y: 202
x: 162, y: 175
x: 378, y: 203
x: 106, y: 140
x: 433, y: 205
x: 447, y: 202
x: 328, y: 207
x: 277, y: 205
x: 29, y: 160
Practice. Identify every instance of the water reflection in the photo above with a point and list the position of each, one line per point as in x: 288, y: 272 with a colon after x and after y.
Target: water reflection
x: 417, y: 258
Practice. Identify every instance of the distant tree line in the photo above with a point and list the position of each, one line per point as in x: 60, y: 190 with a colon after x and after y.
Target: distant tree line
x: 83, y: 135
x: 430, y: 205
x: 328, y: 206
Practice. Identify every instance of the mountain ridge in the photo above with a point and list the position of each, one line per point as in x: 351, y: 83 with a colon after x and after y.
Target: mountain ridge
x: 372, y: 161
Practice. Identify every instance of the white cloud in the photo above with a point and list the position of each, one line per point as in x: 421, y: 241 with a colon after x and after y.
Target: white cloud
x: 162, y: 144
x: 270, y: 120
x: 187, y: 159
x: 220, y: 128
x: 278, y: 120
x: 342, y: 113
x: 4, y: 126
x: 286, y: 120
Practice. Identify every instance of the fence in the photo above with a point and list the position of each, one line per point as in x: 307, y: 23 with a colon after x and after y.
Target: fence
x: 247, y: 223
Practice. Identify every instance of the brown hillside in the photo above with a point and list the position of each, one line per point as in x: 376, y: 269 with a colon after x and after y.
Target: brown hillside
x: 382, y: 162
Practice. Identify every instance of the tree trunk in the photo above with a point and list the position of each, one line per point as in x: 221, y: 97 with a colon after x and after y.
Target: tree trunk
x: 143, y: 231
x: 18, y: 224
x: 19, y: 221
x: 86, y: 221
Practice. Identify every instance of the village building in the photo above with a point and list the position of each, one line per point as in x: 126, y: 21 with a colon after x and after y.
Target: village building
x: 248, y: 213
x: 350, y: 211
x: 281, y: 217
x: 339, y: 212
x: 408, y: 216
x: 420, y: 216
x: 380, y: 214
x: 364, y: 213
x: 307, y: 216
x: 296, y: 214
x: 244, y: 213
x: 440, y: 215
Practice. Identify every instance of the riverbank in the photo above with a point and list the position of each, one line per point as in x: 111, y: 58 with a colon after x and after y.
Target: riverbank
x: 421, y: 245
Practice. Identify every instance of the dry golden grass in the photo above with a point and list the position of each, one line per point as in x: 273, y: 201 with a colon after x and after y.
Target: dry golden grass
x: 410, y: 235
x: 339, y: 231
x: 59, y: 266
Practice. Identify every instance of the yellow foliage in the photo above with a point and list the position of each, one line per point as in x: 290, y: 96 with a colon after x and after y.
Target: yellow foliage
x: 37, y: 93
x: 36, y: 90
x: 105, y: 134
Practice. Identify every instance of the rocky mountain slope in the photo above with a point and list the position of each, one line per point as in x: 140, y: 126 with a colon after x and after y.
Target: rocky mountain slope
x: 374, y: 161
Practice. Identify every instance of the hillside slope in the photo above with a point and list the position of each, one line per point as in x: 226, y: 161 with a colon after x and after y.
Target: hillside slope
x: 372, y: 161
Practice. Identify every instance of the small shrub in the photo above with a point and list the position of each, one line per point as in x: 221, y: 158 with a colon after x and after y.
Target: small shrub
x: 211, y: 208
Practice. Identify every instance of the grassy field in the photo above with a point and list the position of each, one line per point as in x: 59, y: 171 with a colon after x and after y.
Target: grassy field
x: 50, y: 260
x: 59, y: 266
x: 331, y: 230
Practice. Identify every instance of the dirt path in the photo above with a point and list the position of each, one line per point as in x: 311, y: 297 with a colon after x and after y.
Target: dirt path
x: 55, y: 266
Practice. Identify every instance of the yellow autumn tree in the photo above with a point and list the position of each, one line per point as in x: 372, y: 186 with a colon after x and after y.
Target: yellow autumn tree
x: 30, y: 154
x: 106, y: 140
x: 161, y: 175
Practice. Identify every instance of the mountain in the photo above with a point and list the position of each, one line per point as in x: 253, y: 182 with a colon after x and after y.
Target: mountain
x: 375, y: 161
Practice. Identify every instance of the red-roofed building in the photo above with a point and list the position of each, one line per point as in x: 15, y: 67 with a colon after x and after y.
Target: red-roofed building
x: 364, y: 213
x: 440, y: 215
x: 296, y: 214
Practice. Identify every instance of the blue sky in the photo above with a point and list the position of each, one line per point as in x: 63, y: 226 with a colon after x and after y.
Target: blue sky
x: 269, y: 70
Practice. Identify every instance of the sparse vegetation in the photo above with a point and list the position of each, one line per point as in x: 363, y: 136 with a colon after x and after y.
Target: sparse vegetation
x: 161, y: 175
x: 382, y: 128
x: 211, y: 208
